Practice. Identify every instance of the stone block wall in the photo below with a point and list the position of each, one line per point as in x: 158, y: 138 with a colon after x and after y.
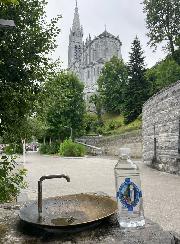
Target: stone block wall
x: 161, y: 120
x: 111, y: 144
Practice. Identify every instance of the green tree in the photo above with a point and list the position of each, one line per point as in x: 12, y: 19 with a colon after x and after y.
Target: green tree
x: 137, y: 88
x: 11, y: 179
x: 24, y: 60
x: 97, y: 101
x: 151, y: 76
x: 177, y: 51
x: 64, y: 106
x: 9, y: 1
x: 110, y: 84
x: 163, y: 21
x: 163, y: 74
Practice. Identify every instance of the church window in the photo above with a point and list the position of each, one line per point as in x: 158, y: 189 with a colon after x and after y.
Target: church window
x: 86, y: 58
x: 94, y: 71
x: 94, y: 54
x: 88, y: 74
x: 96, y: 51
x: 79, y: 51
x: 76, y: 52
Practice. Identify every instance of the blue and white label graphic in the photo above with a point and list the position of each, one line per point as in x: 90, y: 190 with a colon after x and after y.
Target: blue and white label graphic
x: 129, y: 194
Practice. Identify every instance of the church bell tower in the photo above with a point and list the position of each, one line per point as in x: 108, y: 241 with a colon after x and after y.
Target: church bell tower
x: 75, y: 41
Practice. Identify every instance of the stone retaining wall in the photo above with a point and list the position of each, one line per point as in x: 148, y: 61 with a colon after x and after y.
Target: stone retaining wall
x: 111, y: 144
x: 161, y: 122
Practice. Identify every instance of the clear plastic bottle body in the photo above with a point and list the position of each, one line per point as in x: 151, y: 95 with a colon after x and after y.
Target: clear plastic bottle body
x: 129, y: 194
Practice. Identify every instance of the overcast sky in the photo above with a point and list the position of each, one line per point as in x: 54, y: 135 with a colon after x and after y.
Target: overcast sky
x: 122, y: 17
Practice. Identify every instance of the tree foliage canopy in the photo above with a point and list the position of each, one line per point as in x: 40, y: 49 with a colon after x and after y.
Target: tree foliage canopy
x: 163, y: 74
x: 63, y: 105
x: 24, y: 60
x: 9, y: 1
x: 137, y: 89
x: 163, y: 21
x: 113, y: 77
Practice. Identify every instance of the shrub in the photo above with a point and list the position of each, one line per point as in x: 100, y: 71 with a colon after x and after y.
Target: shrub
x: 71, y: 149
x: 52, y: 148
x: 90, y: 122
x: 18, y: 148
x: 11, y: 179
x: 112, y: 125
x: 43, y: 148
x: 14, y: 148
x: 8, y: 150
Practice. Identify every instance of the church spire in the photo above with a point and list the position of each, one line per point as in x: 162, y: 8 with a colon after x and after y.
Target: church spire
x: 76, y: 20
x: 75, y: 40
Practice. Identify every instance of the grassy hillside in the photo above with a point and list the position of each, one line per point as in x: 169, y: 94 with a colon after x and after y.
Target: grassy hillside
x: 114, y: 124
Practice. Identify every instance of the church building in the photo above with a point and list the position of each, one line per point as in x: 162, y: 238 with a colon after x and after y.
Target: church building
x: 87, y: 58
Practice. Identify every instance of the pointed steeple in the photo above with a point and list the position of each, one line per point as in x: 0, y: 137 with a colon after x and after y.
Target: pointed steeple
x: 76, y: 21
x: 75, y: 39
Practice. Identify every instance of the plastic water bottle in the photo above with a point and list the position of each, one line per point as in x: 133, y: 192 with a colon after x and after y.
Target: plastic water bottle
x: 129, y: 194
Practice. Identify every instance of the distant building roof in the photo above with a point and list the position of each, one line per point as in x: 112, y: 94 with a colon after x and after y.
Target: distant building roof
x: 106, y: 34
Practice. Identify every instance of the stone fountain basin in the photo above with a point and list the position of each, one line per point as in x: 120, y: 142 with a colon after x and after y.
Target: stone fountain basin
x: 69, y: 211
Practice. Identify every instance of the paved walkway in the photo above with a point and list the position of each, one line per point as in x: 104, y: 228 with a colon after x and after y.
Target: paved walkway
x: 161, y: 191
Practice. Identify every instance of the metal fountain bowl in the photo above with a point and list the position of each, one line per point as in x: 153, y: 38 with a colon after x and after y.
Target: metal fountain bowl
x: 67, y: 211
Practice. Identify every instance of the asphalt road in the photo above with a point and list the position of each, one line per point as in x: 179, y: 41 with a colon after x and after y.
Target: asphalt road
x: 161, y: 191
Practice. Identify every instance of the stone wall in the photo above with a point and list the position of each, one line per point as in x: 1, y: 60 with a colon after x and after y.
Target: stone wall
x: 161, y: 123
x: 111, y: 145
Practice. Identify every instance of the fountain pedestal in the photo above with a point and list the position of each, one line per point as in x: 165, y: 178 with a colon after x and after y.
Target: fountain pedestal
x: 108, y: 232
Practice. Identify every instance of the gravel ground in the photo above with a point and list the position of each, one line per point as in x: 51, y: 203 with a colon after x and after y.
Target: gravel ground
x: 161, y: 191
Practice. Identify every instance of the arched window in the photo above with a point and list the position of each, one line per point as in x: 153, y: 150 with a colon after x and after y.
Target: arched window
x: 86, y: 59
x: 88, y: 74
x: 75, y: 51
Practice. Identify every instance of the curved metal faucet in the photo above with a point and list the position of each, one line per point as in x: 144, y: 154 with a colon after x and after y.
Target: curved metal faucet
x: 40, y: 188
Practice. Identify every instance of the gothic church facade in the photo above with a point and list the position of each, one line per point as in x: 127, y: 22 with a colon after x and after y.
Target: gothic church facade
x: 86, y: 59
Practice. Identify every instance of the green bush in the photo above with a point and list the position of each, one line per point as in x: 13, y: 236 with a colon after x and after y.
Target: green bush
x: 43, y: 148
x: 100, y: 130
x: 113, y: 125
x: 71, y: 149
x: 18, y: 148
x: 52, y: 148
x: 8, y: 150
x: 90, y: 122
x: 14, y: 148
x: 11, y: 179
